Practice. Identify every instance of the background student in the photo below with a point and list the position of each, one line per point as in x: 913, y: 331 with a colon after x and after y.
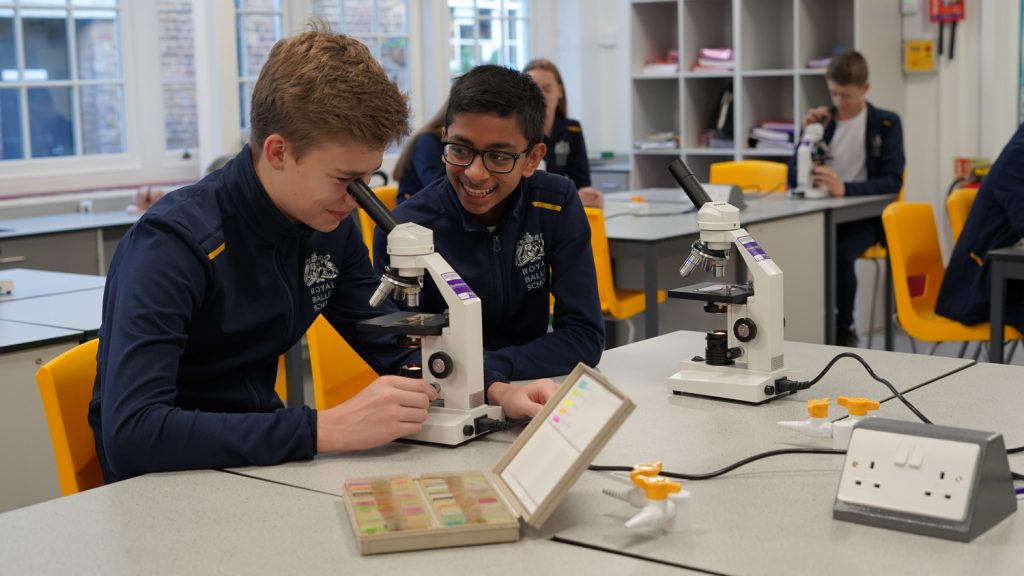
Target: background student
x: 514, y: 233
x: 563, y: 136
x: 866, y: 145
x: 996, y: 220
x: 420, y: 162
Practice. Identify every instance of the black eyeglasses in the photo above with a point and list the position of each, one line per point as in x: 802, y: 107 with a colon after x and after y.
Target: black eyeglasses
x: 494, y: 160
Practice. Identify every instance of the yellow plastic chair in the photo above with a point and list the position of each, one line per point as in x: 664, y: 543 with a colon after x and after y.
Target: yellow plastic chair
x: 281, y: 383
x: 916, y: 260
x: 65, y: 385
x: 958, y: 205
x: 751, y: 175
x: 339, y: 373
x: 389, y: 196
x: 616, y: 303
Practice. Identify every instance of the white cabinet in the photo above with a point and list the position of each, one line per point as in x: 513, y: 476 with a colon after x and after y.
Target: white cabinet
x: 772, y: 43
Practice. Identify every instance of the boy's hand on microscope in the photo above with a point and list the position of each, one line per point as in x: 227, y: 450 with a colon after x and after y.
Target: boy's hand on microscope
x: 827, y: 177
x: 521, y: 401
x: 820, y: 114
x: 389, y: 408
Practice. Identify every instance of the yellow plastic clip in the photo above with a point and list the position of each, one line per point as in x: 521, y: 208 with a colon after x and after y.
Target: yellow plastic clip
x: 818, y: 408
x: 858, y: 406
x: 659, y: 487
x: 641, y: 471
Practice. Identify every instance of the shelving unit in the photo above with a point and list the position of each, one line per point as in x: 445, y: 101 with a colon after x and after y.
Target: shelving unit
x: 772, y: 43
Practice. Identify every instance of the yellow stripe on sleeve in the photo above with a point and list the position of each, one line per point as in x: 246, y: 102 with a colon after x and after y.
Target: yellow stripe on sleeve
x: 216, y: 251
x: 547, y: 206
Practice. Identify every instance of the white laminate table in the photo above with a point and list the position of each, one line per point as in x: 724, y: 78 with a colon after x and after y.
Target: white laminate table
x: 210, y: 522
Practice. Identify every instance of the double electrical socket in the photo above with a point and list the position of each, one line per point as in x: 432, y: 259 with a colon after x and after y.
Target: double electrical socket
x: 927, y: 479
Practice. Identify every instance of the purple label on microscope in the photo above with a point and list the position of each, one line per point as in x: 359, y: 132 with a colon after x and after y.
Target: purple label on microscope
x: 459, y: 286
x: 753, y: 248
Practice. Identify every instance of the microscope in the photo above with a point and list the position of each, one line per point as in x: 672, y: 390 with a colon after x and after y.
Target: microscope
x: 812, y: 152
x: 452, y: 342
x: 744, y: 361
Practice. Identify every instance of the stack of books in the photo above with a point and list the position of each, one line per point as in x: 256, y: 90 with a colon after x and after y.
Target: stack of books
x: 667, y: 65
x: 658, y: 141
x: 773, y: 135
x: 714, y: 60
x: 819, y: 63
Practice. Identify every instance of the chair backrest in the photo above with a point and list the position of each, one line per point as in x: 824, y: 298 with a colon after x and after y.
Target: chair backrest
x: 916, y: 260
x: 958, y: 205
x: 602, y: 259
x: 65, y: 385
x: 281, y: 382
x: 339, y: 373
x: 389, y: 196
x: 751, y: 175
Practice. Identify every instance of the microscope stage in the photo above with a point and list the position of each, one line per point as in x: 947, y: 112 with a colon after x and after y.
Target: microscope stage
x: 410, y: 323
x: 719, y: 292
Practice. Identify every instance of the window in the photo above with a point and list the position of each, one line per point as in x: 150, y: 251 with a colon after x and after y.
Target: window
x: 380, y: 24
x: 488, y: 32
x: 61, y: 84
x: 259, y: 27
x: 178, y: 75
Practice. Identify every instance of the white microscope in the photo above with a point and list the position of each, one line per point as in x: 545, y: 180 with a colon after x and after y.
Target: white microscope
x: 452, y: 342
x: 812, y: 152
x: 754, y: 309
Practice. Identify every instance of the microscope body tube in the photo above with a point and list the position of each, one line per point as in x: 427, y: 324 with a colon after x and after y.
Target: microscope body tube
x: 684, y: 176
x: 368, y: 201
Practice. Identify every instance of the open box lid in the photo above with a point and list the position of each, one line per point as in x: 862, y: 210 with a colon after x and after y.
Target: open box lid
x: 560, y: 443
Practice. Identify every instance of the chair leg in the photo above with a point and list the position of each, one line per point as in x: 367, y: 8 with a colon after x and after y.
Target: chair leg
x: 934, y: 347
x: 963, y: 350
x: 1008, y: 355
x: 874, y: 301
x: 630, y: 330
x: 977, y: 353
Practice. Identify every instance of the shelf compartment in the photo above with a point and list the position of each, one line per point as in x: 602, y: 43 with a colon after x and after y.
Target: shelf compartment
x: 767, y: 34
x: 655, y: 109
x: 813, y: 93
x: 764, y: 99
x: 706, y: 24
x: 824, y: 26
x: 702, y: 97
x: 654, y: 31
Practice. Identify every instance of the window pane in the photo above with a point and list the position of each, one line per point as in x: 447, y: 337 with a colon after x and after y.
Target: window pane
x: 265, y: 5
x: 99, y: 55
x: 49, y: 122
x: 102, y: 119
x: 177, y: 51
x: 46, y: 44
x: 519, y: 48
x: 10, y: 125
x: 485, y: 25
x: 8, y: 57
x: 490, y: 53
x: 394, y: 59
x: 330, y: 11
x: 90, y: 3
x: 257, y: 36
x: 245, y: 101
x: 358, y: 17
x: 181, y: 123
x: 391, y: 17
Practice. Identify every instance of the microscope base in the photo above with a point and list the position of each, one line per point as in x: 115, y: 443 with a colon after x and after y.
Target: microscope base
x: 809, y: 193
x: 447, y: 426
x: 6, y: 287
x: 726, y: 382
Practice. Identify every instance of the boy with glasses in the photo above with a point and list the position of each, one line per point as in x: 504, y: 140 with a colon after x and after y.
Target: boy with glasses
x: 516, y: 234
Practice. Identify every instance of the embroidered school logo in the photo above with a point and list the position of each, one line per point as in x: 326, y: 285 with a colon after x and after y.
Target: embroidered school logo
x: 318, y: 269
x: 530, y: 248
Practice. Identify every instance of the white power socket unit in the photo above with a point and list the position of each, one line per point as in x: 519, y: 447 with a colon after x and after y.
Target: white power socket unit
x: 911, y: 474
x: 927, y: 479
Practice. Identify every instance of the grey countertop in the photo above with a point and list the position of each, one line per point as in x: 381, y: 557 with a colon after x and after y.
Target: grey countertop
x: 68, y: 222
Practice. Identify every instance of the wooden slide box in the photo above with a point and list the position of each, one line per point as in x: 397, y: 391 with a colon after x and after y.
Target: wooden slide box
x: 400, y: 513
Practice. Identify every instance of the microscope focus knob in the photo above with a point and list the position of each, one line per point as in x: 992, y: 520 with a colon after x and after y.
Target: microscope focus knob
x: 744, y: 329
x: 440, y: 364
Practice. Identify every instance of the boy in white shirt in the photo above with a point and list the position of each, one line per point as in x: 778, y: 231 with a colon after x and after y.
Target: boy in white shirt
x: 866, y: 146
